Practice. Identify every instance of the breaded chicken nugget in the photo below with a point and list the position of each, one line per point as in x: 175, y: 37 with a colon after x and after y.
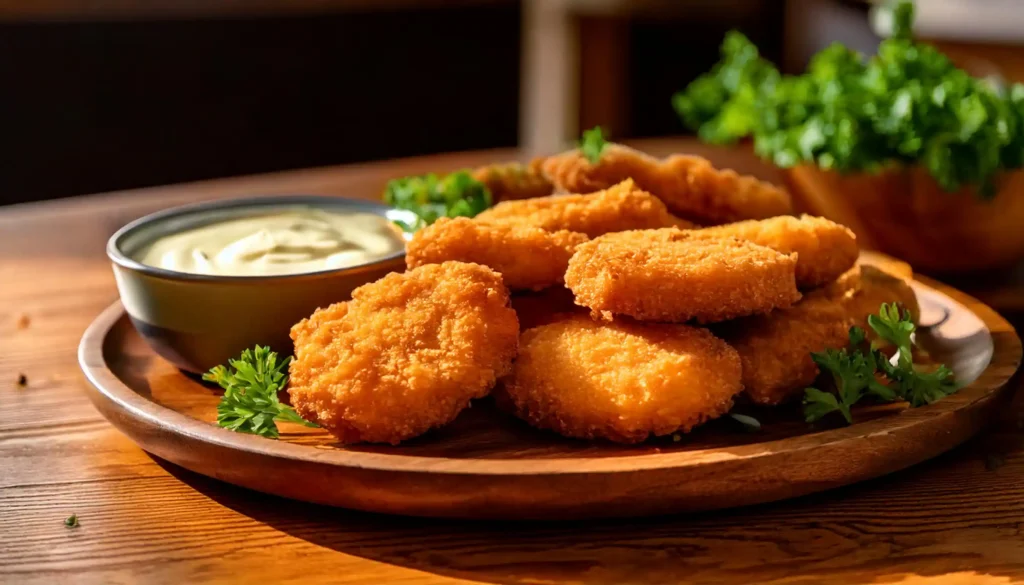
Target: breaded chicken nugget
x: 511, y: 181
x: 824, y: 249
x: 620, y: 207
x: 527, y: 257
x: 776, y: 348
x: 689, y: 185
x: 676, y: 275
x: 405, y: 355
x: 622, y: 381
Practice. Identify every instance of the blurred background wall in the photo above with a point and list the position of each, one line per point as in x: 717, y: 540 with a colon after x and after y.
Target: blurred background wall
x: 111, y: 94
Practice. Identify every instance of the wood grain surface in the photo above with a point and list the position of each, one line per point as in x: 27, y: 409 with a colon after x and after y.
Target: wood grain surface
x: 489, y: 465
x: 958, y: 518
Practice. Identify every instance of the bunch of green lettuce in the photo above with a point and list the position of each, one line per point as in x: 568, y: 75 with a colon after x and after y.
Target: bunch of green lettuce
x: 906, y: 105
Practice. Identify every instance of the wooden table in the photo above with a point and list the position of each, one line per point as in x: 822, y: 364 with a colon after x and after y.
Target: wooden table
x: 956, y: 519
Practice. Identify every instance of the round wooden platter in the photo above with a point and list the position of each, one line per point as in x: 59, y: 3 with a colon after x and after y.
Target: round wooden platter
x: 489, y: 465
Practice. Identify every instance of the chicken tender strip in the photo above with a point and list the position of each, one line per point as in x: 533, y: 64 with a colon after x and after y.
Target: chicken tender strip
x: 689, y: 185
x: 405, y: 355
x: 677, y: 275
x: 620, y: 207
x: 863, y: 289
x: 512, y: 181
x: 528, y: 258
x: 622, y: 381
x: 824, y: 249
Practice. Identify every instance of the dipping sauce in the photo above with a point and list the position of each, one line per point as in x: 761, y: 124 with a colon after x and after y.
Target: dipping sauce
x: 291, y: 241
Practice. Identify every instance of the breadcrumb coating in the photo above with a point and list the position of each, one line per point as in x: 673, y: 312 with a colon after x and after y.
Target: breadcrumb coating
x: 620, y: 207
x: 689, y: 185
x: 677, y: 275
x: 405, y: 355
x: 775, y: 349
x: 824, y: 249
x: 621, y: 381
x: 528, y: 258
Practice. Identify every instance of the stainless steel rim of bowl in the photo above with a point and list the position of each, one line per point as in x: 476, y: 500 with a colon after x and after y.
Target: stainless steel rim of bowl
x: 119, y: 257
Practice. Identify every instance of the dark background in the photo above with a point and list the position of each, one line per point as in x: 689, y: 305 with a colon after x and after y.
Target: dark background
x: 97, y: 106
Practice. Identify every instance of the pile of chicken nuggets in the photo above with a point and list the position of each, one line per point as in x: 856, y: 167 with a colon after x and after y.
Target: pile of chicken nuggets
x: 643, y: 303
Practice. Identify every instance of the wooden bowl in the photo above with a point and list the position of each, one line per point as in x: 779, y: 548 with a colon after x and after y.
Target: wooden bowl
x: 904, y: 213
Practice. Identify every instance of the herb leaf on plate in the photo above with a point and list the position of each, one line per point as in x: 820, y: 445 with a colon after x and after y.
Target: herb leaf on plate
x: 250, y: 403
x: 431, y: 197
x: 863, y: 370
x: 593, y: 144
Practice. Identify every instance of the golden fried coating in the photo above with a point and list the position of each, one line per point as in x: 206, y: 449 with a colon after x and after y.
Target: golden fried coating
x: 511, y: 181
x: 677, y: 275
x: 620, y: 207
x: 621, y: 381
x: 528, y: 258
x: 689, y: 185
x: 405, y: 355
x: 824, y: 248
x: 776, y: 348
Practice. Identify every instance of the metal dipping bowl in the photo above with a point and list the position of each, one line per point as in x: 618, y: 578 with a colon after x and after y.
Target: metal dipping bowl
x: 197, y: 321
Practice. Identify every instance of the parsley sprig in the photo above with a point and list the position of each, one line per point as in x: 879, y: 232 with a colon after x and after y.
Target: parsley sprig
x: 863, y: 370
x: 250, y: 403
x: 431, y: 197
x: 593, y: 144
x: 907, y: 105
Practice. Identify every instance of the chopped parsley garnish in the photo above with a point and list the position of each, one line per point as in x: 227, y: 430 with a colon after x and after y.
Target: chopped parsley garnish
x: 250, y: 403
x: 863, y: 370
x: 71, y: 521
x: 593, y: 144
x: 907, y: 105
x: 431, y: 197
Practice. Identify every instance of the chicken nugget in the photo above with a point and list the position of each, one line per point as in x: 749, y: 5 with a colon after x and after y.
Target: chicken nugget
x: 775, y: 349
x: 528, y: 258
x: 621, y: 381
x: 405, y: 355
x: 824, y: 249
x: 677, y: 275
x: 620, y: 207
x: 689, y: 185
x: 511, y: 181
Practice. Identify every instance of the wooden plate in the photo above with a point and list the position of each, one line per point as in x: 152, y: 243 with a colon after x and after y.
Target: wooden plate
x: 489, y: 465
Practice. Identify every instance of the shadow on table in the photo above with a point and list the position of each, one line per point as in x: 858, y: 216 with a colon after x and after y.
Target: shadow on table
x: 886, y: 529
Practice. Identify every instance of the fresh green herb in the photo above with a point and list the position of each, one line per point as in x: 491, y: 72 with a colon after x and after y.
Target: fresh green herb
x: 71, y: 521
x: 593, y: 144
x: 860, y: 369
x: 749, y: 423
x: 250, y: 403
x: 431, y: 197
x: 907, y: 105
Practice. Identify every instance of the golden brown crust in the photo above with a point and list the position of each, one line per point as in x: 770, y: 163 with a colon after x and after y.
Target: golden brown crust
x: 677, y: 275
x: 622, y: 381
x: 405, y: 355
x: 620, y: 207
x: 528, y: 258
x: 689, y: 185
x: 776, y: 348
x: 824, y: 249
x: 512, y: 181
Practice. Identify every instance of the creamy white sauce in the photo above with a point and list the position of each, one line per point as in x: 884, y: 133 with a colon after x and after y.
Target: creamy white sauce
x: 292, y: 241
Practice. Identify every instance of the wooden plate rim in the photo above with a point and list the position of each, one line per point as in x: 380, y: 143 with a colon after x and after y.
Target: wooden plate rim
x: 1006, y: 359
